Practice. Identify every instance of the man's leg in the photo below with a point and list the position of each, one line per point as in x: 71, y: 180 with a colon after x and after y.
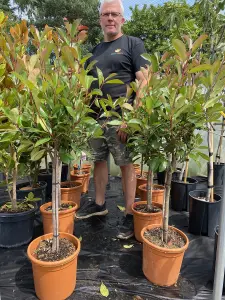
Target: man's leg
x: 101, y: 180
x: 129, y: 186
x: 97, y: 207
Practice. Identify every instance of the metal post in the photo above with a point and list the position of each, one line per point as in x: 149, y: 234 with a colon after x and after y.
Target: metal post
x: 220, y: 253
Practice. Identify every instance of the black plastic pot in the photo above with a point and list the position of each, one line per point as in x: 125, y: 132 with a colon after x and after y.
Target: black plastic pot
x: 180, y: 193
x: 46, y: 177
x: 39, y: 192
x: 203, y: 215
x: 64, y: 172
x: 16, y: 229
x: 218, y: 171
x: 161, y: 176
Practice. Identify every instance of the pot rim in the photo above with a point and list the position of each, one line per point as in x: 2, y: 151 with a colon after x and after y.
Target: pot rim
x: 54, y: 263
x: 208, y: 202
x: 147, y: 214
x: 185, y: 183
x: 71, y: 188
x: 161, y: 249
x: 142, y: 187
x: 62, y: 212
x: 23, y: 184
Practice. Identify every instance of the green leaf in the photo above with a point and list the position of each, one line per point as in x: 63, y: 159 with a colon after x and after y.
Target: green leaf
x: 203, y: 155
x: 115, y: 81
x: 200, y: 68
x: 24, y: 146
x: 42, y: 141
x: 127, y: 246
x: 80, y: 238
x: 37, y: 155
x: 103, y: 290
x: 180, y: 48
x: 114, y: 122
x: 128, y: 106
x: 153, y: 59
x: 121, y: 208
x: 100, y: 76
x: 199, y: 41
x: 66, y: 157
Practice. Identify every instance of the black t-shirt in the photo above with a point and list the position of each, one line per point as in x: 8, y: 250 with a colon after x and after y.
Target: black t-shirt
x: 121, y: 56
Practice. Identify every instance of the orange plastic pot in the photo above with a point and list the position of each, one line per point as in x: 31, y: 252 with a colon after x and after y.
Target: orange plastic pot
x: 141, y: 219
x: 66, y: 218
x: 72, y: 193
x: 82, y: 178
x: 137, y: 168
x: 54, y: 280
x: 85, y: 167
x: 162, y: 266
x: 140, y: 181
x: 157, y: 195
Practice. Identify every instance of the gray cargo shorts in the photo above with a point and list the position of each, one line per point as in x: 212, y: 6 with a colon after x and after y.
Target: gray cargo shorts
x: 110, y: 143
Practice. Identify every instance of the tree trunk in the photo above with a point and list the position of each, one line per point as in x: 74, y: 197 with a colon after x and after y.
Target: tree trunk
x: 186, y: 169
x: 14, y: 203
x: 142, y: 165
x: 149, y: 190
x: 170, y: 171
x: 219, y: 150
x: 210, y: 192
x: 55, y: 199
x: 182, y: 172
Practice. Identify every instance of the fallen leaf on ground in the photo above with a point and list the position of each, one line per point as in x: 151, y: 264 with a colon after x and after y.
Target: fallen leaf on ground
x: 127, y: 246
x: 103, y: 290
x: 121, y: 208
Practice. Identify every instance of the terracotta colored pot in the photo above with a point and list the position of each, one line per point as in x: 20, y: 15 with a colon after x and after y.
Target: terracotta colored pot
x: 157, y: 195
x: 82, y: 178
x: 85, y: 167
x: 72, y: 193
x: 66, y: 218
x: 54, y: 280
x: 140, y: 181
x: 141, y: 219
x: 162, y: 266
x: 137, y: 168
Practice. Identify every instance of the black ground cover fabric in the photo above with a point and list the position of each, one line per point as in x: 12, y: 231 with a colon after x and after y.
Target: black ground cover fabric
x: 104, y: 259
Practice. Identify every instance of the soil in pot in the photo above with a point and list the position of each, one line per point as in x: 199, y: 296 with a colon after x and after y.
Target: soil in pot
x: 44, y: 251
x: 143, y: 208
x: 63, y: 206
x: 22, y: 207
x: 175, y: 240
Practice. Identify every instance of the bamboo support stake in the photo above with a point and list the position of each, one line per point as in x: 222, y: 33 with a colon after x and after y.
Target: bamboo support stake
x: 210, y: 191
x: 182, y: 172
x: 142, y: 165
x: 219, y: 150
x: 186, y: 170
x: 14, y: 203
x: 55, y: 199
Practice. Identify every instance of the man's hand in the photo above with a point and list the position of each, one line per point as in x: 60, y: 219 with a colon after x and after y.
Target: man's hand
x: 122, y: 135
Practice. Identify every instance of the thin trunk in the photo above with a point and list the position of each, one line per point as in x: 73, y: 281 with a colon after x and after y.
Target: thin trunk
x: 8, y: 186
x: 46, y: 164
x: 219, y: 150
x: 186, y: 169
x: 167, y: 198
x: 210, y: 192
x: 14, y: 203
x: 182, y: 172
x: 142, y: 165
x: 149, y: 190
x: 55, y: 200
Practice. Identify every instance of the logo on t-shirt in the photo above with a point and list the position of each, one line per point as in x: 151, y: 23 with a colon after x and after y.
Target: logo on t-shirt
x: 117, y: 51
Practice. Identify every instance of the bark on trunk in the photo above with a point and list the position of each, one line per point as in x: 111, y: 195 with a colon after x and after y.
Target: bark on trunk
x: 56, y: 176
x: 167, y: 198
x: 182, y: 172
x: 210, y: 192
x: 14, y: 203
x: 149, y: 189
x: 142, y: 165
x: 219, y: 150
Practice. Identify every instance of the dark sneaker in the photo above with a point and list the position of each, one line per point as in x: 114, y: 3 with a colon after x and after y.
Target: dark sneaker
x: 91, y: 209
x: 126, y: 229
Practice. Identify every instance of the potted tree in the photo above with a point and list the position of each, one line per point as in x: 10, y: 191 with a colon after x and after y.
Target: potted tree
x: 57, y: 106
x: 182, y: 103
